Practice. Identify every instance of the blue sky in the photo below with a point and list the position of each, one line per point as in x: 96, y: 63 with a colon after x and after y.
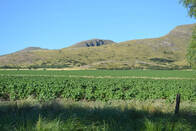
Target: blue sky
x: 56, y: 24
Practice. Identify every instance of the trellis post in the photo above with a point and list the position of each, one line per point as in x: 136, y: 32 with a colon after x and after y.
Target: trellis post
x: 177, y: 104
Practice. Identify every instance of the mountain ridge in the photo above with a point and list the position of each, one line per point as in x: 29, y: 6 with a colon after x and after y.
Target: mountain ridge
x: 166, y: 52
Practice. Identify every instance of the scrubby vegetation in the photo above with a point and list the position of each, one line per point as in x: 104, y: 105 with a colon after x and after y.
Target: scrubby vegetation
x: 167, y: 52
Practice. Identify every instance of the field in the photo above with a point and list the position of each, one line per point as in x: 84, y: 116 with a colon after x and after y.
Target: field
x: 97, y: 100
x: 104, y: 73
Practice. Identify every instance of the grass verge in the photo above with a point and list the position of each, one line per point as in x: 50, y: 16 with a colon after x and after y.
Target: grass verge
x: 61, y: 115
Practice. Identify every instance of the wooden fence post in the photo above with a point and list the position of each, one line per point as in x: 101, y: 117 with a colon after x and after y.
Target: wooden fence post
x: 177, y: 103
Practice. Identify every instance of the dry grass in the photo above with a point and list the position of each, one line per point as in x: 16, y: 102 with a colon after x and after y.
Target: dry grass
x: 124, y: 55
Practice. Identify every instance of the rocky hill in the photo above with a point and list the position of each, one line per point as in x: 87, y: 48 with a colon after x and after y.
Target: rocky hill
x: 93, y: 43
x: 167, y: 52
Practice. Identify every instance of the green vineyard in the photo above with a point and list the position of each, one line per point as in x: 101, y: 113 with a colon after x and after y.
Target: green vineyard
x: 49, y: 87
x: 43, y: 100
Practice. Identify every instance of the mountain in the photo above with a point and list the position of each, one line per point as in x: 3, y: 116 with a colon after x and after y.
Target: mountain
x: 166, y: 52
x: 92, y: 43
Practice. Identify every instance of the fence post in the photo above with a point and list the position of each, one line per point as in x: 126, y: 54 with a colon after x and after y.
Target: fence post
x: 177, y: 103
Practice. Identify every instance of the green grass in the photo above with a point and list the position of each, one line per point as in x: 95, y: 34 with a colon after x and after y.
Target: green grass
x: 97, y: 116
x: 113, y: 73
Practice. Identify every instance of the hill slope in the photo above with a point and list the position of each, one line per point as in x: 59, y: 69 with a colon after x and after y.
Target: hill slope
x: 165, y: 52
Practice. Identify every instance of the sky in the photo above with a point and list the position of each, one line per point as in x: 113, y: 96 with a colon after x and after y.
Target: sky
x: 56, y: 24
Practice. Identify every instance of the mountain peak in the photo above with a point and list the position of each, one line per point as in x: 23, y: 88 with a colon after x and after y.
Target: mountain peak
x: 92, y: 43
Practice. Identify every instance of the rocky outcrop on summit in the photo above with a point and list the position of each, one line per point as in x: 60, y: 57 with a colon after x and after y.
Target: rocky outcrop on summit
x: 92, y: 43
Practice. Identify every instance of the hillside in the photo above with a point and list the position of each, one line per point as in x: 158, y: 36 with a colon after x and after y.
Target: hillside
x: 165, y: 52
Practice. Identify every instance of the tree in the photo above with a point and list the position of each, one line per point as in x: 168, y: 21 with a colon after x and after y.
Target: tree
x: 191, y: 51
x: 191, y: 6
